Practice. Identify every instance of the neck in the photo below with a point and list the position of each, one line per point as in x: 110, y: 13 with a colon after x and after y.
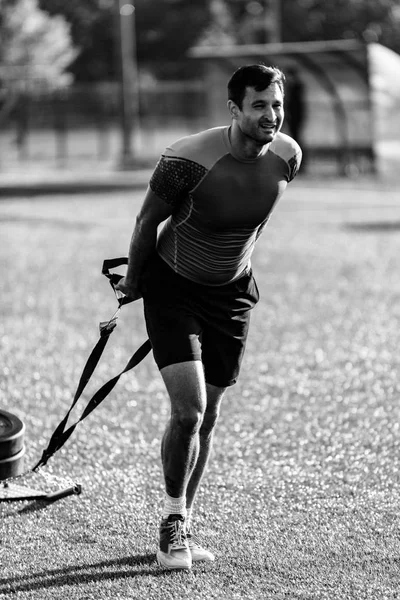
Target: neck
x: 243, y: 146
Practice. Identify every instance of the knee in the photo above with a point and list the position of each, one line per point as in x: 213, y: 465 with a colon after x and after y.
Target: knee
x: 188, y: 420
x: 209, y: 421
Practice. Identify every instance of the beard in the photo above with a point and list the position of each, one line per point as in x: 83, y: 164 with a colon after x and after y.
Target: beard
x: 259, y: 134
x: 262, y: 131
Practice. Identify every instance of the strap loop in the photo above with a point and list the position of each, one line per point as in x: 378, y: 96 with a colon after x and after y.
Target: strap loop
x: 60, y: 434
x: 114, y: 278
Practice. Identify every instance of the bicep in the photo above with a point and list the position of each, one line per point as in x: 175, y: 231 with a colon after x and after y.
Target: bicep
x: 154, y: 210
x: 170, y: 183
x: 294, y: 164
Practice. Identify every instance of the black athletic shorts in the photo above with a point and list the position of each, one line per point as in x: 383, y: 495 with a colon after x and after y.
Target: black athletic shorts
x: 190, y: 321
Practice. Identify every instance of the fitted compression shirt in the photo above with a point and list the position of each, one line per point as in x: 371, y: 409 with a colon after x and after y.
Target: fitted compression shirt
x: 221, y: 203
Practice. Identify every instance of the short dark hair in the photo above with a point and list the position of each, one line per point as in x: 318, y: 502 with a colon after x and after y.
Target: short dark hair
x: 258, y: 77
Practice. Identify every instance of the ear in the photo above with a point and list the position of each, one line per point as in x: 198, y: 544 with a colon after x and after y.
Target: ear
x: 233, y: 109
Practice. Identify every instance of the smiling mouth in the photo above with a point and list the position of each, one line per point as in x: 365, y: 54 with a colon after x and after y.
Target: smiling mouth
x: 268, y: 126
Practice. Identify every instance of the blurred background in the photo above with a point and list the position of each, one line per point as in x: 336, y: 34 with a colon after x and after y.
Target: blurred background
x: 107, y: 84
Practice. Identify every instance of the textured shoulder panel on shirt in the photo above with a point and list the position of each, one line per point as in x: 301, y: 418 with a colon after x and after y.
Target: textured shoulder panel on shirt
x: 289, y: 150
x: 174, y: 178
x: 204, y: 148
x: 184, y: 164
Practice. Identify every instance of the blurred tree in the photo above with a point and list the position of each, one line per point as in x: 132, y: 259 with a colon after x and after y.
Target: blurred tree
x: 92, y: 28
x: 165, y: 30
x: 369, y: 20
x: 34, y: 45
x: 35, y: 49
x: 308, y: 20
x: 252, y: 19
x: 221, y: 30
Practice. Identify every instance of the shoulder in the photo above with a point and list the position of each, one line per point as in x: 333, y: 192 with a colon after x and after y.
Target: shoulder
x: 288, y: 150
x: 204, y: 148
x: 285, y: 146
x: 184, y: 163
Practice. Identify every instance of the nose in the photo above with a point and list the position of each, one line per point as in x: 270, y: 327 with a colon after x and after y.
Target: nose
x: 269, y: 114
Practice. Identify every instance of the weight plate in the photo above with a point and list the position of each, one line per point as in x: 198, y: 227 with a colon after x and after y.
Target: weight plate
x: 12, y: 431
x: 12, y: 466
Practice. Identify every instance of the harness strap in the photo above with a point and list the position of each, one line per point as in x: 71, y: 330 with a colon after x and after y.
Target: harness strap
x: 112, y: 263
x: 60, y: 434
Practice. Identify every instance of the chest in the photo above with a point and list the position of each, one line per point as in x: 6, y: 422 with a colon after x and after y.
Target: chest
x: 235, y: 194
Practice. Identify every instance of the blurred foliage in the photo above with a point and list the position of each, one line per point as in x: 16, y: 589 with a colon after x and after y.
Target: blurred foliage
x: 310, y: 20
x: 92, y: 28
x: 368, y: 20
x: 223, y: 28
x: 32, y: 41
x: 166, y: 29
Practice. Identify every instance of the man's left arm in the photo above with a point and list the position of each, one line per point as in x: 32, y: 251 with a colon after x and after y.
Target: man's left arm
x: 294, y: 163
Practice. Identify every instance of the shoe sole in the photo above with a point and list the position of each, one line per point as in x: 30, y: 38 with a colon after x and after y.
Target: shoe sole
x: 170, y: 567
x: 208, y: 560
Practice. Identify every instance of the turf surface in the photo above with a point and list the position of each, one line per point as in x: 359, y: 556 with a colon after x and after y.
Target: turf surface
x: 301, y: 497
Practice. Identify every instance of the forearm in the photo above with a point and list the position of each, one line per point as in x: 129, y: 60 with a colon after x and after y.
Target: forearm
x: 142, y: 245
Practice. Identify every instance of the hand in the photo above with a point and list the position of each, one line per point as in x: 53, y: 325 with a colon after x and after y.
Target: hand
x: 129, y: 289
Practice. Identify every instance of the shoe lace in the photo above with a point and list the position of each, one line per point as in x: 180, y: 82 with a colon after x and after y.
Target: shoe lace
x: 193, y: 540
x: 177, y: 534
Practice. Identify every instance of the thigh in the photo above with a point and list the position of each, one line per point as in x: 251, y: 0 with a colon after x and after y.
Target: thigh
x: 186, y: 387
x: 225, y: 333
x: 172, y: 326
x: 174, y: 334
x: 223, y: 350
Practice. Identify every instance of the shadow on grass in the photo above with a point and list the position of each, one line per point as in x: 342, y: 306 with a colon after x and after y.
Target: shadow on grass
x: 51, y: 222
x: 374, y: 226
x: 135, y: 566
x: 14, y: 506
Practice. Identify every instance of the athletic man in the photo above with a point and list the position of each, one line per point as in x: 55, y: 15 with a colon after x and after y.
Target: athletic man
x: 216, y: 191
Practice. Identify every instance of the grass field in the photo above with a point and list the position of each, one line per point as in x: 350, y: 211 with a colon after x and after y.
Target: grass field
x: 301, y: 497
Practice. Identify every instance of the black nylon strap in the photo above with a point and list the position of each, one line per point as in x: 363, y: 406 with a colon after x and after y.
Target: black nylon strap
x: 113, y: 263
x: 60, y: 434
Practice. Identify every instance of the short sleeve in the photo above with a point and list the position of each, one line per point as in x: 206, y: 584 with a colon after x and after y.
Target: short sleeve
x: 294, y: 164
x: 174, y: 177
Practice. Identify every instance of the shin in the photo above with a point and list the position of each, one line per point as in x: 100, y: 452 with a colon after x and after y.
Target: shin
x: 181, y: 442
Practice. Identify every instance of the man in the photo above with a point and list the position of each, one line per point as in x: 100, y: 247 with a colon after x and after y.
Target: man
x: 217, y: 190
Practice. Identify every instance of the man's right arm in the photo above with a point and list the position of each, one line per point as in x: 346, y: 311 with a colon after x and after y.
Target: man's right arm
x: 153, y: 212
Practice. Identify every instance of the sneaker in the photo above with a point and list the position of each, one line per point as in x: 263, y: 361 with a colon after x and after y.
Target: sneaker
x: 174, y: 552
x: 196, y: 549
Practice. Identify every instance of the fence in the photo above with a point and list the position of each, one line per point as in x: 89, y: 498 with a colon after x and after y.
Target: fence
x: 83, y: 123
x: 81, y: 126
